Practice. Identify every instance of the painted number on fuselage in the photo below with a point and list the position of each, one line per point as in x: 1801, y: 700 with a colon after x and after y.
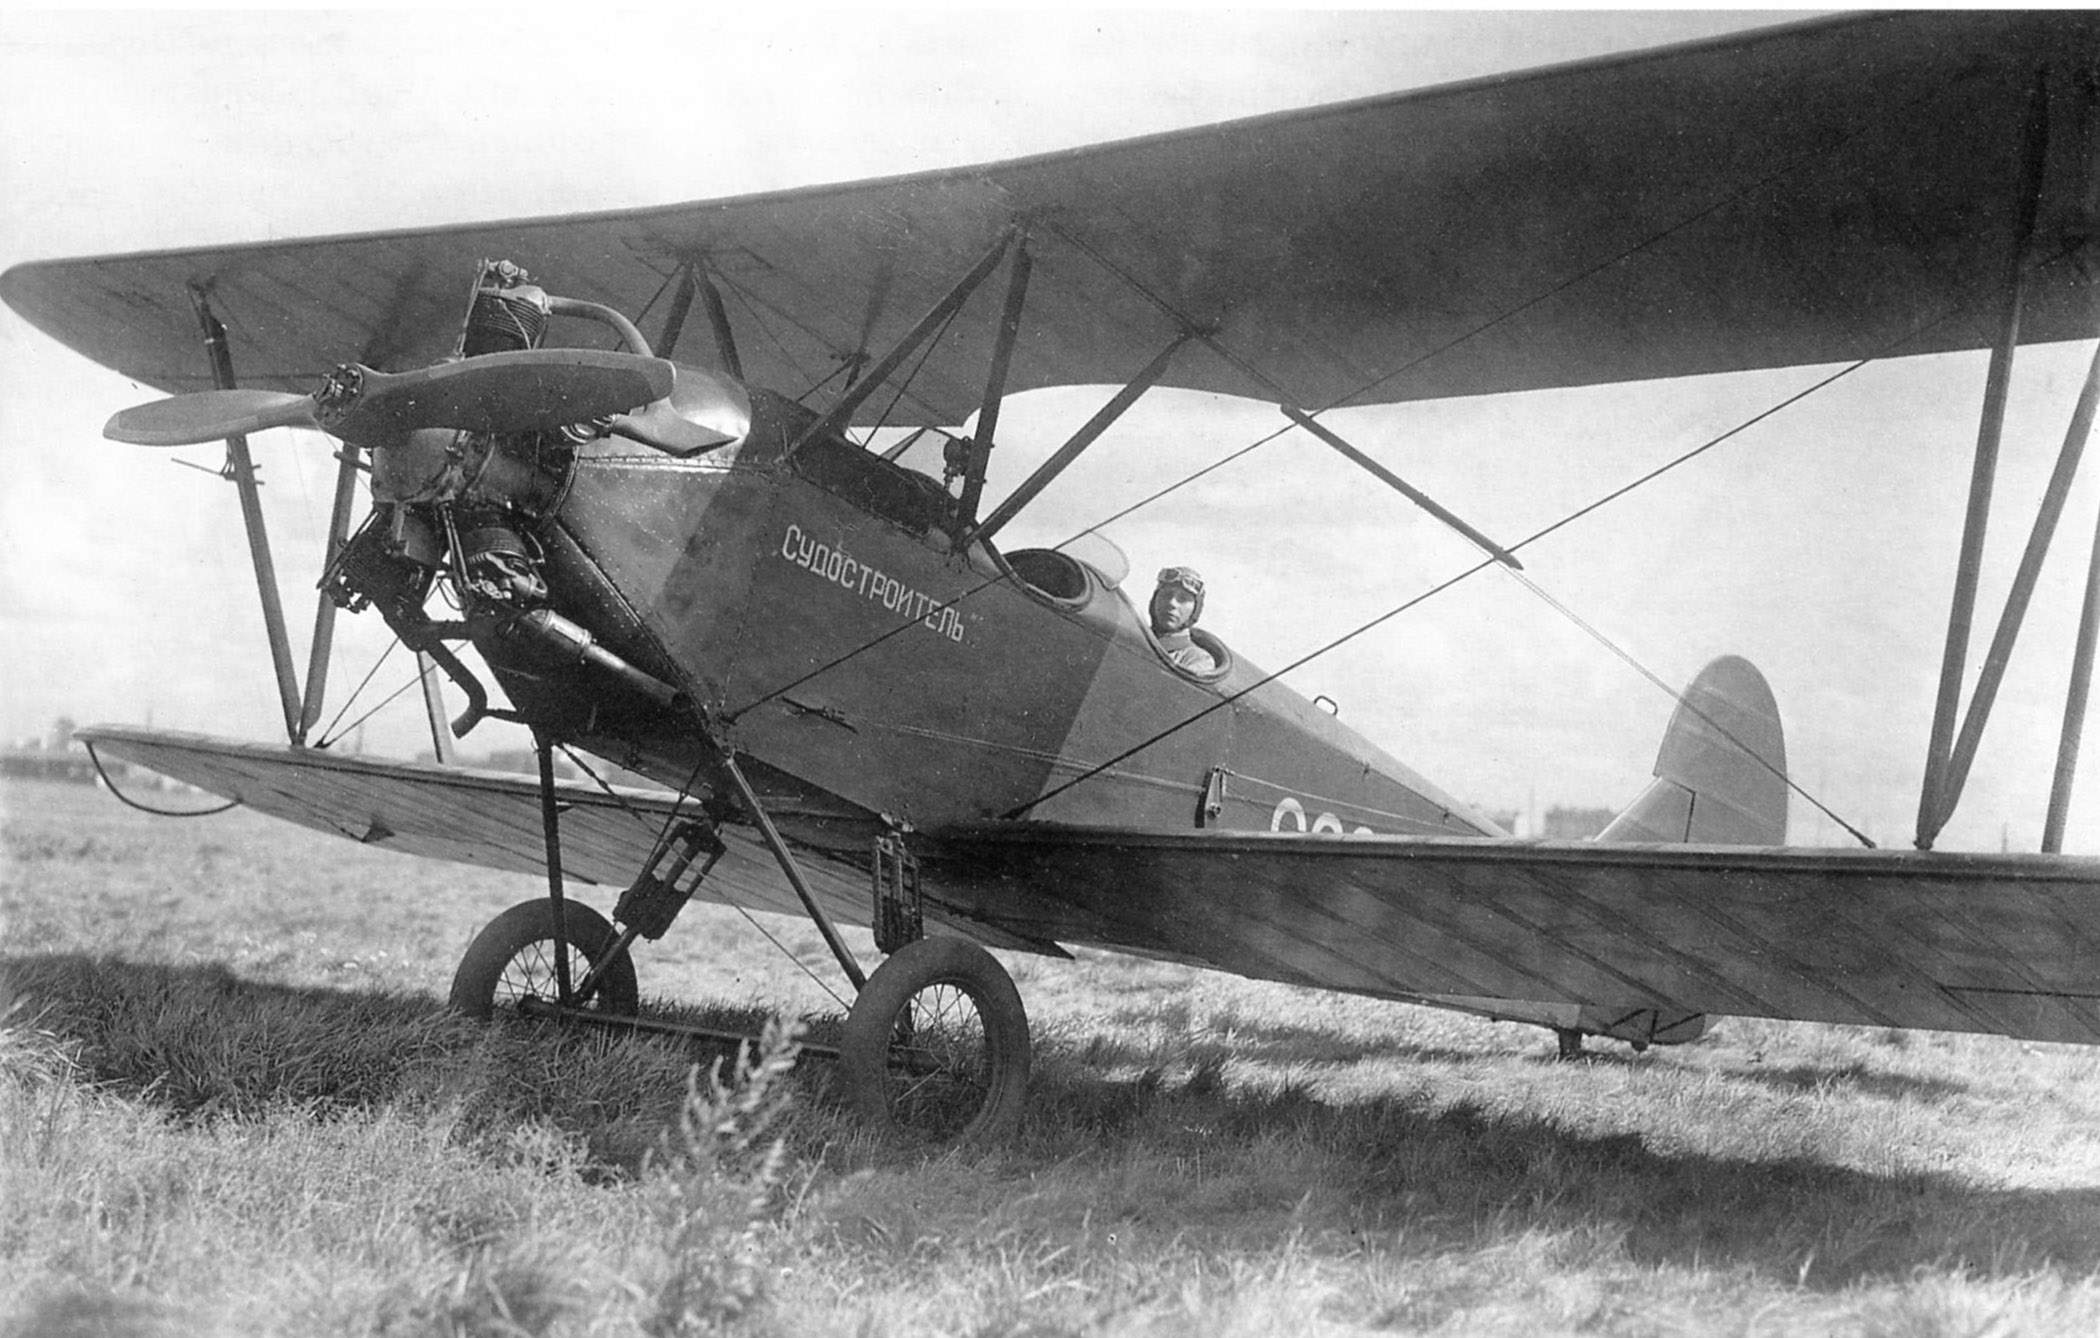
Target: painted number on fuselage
x: 1290, y: 810
x: 834, y: 565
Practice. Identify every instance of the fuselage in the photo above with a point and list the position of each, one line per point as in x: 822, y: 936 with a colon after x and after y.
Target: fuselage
x: 816, y: 603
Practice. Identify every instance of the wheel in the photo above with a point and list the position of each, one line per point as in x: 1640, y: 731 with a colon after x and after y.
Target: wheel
x: 512, y: 958
x: 936, y: 1046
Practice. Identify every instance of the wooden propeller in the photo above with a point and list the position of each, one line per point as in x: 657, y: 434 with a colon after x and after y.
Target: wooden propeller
x: 523, y: 391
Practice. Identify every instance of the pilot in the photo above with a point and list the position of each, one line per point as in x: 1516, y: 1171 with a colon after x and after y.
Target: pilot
x: 1177, y: 603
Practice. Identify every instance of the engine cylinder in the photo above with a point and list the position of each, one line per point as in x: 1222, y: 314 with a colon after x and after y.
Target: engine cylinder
x: 505, y: 320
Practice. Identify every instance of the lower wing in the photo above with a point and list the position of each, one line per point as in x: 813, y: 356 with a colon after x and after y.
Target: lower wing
x: 2007, y: 944
x: 491, y: 819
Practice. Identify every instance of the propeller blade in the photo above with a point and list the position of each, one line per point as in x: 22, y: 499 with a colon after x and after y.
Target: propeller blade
x: 209, y: 415
x: 531, y: 390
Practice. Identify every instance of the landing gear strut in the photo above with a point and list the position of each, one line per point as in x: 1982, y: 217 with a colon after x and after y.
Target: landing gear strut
x: 935, y: 1046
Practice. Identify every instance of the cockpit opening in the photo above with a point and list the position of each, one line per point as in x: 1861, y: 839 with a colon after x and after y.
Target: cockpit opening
x: 1049, y: 572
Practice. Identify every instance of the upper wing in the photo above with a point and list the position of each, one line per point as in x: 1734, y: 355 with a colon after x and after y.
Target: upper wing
x: 1799, y: 195
x: 2008, y: 944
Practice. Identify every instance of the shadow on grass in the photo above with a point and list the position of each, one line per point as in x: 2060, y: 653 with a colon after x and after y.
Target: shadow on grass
x: 1852, y: 1077
x: 1256, y: 1041
x: 202, y: 1043
x: 1197, y: 1159
x: 1436, y: 1177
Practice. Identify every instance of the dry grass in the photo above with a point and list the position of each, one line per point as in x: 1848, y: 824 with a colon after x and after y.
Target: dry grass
x: 229, y: 1104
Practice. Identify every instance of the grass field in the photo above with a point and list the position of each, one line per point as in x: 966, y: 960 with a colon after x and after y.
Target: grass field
x: 231, y: 1104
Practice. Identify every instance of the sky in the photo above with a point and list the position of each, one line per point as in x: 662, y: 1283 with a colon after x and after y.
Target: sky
x: 1821, y: 544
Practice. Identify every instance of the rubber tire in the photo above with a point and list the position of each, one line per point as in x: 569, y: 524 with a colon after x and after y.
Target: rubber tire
x: 525, y: 925
x: 864, y: 1044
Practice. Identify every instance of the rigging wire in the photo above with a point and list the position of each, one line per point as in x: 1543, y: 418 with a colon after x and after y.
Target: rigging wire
x: 758, y: 318
x: 661, y: 289
x: 1785, y: 170
x: 351, y: 700
x: 1185, y: 322
x: 1386, y: 378
x: 1182, y: 318
x: 663, y: 834
x: 381, y: 704
x: 663, y: 840
x: 904, y: 383
x: 1684, y: 700
x: 1608, y: 498
x: 788, y: 953
x: 1899, y: 116
x: 846, y: 364
x: 846, y: 361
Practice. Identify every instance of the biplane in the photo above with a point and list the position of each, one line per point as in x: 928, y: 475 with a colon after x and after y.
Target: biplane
x: 751, y: 554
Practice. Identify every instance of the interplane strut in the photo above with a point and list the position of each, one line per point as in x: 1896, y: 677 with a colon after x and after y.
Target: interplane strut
x: 1951, y: 749
x: 241, y: 465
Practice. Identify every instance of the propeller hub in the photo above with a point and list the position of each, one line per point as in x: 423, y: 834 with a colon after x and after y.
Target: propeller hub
x: 337, y: 395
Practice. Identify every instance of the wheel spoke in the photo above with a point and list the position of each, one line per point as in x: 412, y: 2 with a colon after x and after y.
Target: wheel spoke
x: 939, y: 1073
x: 531, y: 975
x: 936, y: 1046
x: 513, y: 959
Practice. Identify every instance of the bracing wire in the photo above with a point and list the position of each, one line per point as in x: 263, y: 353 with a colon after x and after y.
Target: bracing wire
x: 351, y: 700
x: 1181, y: 318
x: 663, y: 832
x: 1829, y: 151
x: 1684, y: 701
x: 846, y: 361
x: 382, y: 704
x: 1887, y: 350
x: 758, y: 317
x: 1473, y: 332
x: 788, y: 953
x: 1569, y: 519
x: 661, y: 289
x: 1788, y: 168
x: 1415, y: 601
x: 845, y: 365
x: 662, y: 839
x: 752, y: 305
x: 904, y: 383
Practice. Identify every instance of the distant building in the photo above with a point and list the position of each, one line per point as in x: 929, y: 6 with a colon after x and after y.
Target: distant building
x: 72, y: 765
x: 54, y: 757
x: 520, y: 759
x: 1575, y: 824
